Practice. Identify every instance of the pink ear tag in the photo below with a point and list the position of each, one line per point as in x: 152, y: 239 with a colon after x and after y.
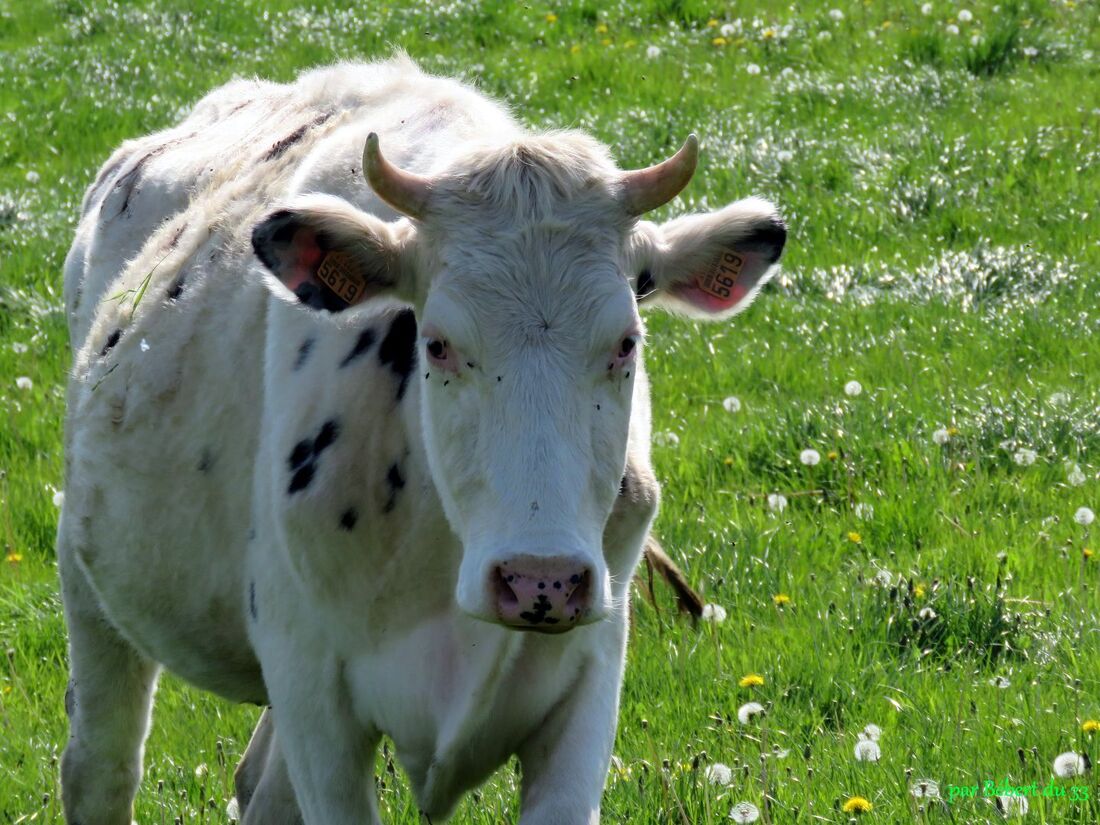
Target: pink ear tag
x: 717, y: 289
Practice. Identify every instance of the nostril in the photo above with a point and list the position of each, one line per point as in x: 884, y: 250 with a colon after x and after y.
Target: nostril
x: 502, y: 588
x: 577, y: 602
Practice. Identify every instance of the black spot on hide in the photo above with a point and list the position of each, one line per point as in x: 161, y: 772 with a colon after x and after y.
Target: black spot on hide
x: 362, y: 344
x: 329, y: 430
x: 302, y: 452
x: 303, y: 353
x: 348, y: 519
x: 206, y: 461
x: 396, y: 483
x: 252, y: 600
x: 301, y: 479
x: 112, y: 339
x: 398, y: 348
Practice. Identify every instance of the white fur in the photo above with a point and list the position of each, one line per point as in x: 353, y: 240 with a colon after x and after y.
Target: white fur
x: 178, y: 516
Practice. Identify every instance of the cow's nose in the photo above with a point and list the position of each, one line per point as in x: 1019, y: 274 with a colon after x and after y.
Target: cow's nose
x: 551, y: 595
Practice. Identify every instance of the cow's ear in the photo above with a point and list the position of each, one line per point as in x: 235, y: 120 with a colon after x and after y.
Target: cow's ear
x: 330, y: 255
x: 710, y: 265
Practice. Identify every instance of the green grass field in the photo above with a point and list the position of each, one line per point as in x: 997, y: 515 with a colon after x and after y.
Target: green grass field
x: 940, y: 171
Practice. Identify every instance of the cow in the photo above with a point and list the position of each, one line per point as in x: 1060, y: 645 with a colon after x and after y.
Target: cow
x: 358, y: 428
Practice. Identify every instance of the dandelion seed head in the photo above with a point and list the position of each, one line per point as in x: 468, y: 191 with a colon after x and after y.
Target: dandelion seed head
x: 777, y: 502
x: 1001, y: 682
x: 749, y: 711
x: 836, y: 14
x: 867, y: 750
x: 714, y: 613
x: 58, y: 498
x: 853, y: 388
x: 924, y: 789
x: 653, y: 52
x: 926, y: 9
x: 33, y: 177
x: 233, y: 810
x: 1084, y: 516
x: 1025, y: 457
x: 810, y: 457
x: 1074, y: 475
x: 731, y: 404
x: 24, y: 383
x: 1010, y: 806
x: 952, y: 28
x: 941, y: 436
x: 744, y: 812
x: 965, y: 16
x: 873, y: 732
x: 1070, y: 764
x: 719, y: 774
x: 666, y: 439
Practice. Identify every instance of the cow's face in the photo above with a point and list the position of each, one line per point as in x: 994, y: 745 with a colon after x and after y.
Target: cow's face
x: 526, y: 267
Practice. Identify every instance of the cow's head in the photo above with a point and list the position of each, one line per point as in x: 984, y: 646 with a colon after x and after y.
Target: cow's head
x: 526, y: 265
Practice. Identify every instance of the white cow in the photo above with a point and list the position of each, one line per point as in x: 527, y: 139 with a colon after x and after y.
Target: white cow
x: 330, y: 445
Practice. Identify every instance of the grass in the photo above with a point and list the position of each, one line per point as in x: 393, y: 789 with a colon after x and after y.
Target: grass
x: 942, y: 193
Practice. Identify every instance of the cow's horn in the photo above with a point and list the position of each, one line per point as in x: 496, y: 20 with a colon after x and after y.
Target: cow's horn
x: 404, y: 191
x: 646, y: 189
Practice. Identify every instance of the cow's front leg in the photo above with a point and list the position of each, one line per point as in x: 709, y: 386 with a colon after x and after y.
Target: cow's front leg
x: 329, y: 756
x: 565, y: 761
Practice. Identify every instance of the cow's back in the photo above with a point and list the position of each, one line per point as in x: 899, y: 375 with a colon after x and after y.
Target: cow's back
x: 171, y: 328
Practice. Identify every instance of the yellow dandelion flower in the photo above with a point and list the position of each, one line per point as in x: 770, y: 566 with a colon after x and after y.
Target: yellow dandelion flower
x: 952, y: 431
x: 832, y: 455
x: 14, y: 558
x: 719, y: 41
x: 551, y: 18
x: 857, y: 805
x: 728, y: 461
x: 575, y: 48
x: 1090, y: 726
x: 781, y: 599
x: 606, y: 41
x: 712, y: 23
x: 630, y: 44
x: 7, y: 689
x: 886, y: 24
x: 751, y: 680
x: 769, y: 34
x: 918, y: 591
x: 855, y: 537
x: 601, y: 28
x: 1087, y: 553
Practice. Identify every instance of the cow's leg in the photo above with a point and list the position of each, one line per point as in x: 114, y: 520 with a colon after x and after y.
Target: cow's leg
x: 264, y: 793
x: 328, y: 754
x: 565, y: 762
x: 109, y: 700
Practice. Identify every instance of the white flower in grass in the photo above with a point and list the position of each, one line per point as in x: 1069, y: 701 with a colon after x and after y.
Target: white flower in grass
x: 744, y: 812
x: 975, y: 39
x: 926, y: 9
x: 1071, y: 764
x: 749, y: 711
x: 714, y: 613
x: 867, y: 750
x: 32, y: 177
x: 728, y: 30
x: 752, y: 68
x: 824, y: 34
x: 1074, y: 475
x: 927, y: 614
x: 1057, y: 399
x: 965, y: 16
x: 941, y: 436
x: 777, y: 502
x: 233, y: 810
x: 873, y: 732
x: 853, y: 388
x: 201, y: 771
x: 24, y: 383
x: 836, y: 14
x: 719, y: 774
x: 1084, y: 516
x: 1012, y: 805
x: 653, y: 52
x: 732, y: 404
x: 952, y: 29
x: 865, y: 511
x: 58, y: 498
x: 19, y: 348
x: 1025, y: 457
x: 784, y: 156
x: 883, y: 578
x: 924, y: 789
x: 810, y: 457
x: 1001, y: 682
x: 666, y: 439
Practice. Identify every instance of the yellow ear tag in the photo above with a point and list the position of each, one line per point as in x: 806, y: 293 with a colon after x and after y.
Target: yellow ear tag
x: 721, y: 280
x: 337, y: 272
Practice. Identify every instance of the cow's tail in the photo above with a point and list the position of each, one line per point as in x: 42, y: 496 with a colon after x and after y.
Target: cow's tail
x: 687, y: 600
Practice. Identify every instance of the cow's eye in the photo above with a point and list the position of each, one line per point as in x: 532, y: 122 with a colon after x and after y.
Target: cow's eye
x: 627, y: 346
x: 437, y: 348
